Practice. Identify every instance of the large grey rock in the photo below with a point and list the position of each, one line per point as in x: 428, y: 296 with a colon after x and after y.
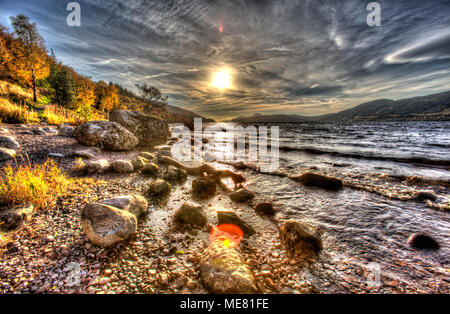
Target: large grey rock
x: 105, y: 134
x: 149, y: 129
x: 192, y: 214
x: 135, y: 204
x: 7, y: 154
x: 106, y: 225
x: 9, y: 142
x: 223, y: 270
x: 300, y: 238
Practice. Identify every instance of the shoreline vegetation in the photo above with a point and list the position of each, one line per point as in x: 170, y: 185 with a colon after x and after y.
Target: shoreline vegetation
x: 92, y: 202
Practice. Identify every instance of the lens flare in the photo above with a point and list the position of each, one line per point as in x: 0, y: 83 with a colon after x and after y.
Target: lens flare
x: 230, y: 236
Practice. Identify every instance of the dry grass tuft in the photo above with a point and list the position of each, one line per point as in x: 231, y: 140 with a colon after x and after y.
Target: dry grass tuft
x: 57, y: 115
x: 39, y: 185
x: 10, y: 113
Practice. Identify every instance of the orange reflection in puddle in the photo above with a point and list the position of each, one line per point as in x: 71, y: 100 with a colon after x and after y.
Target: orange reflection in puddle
x: 229, y: 235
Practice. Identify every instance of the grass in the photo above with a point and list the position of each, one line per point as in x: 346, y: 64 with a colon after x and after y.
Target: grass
x: 11, y: 113
x: 57, y: 115
x: 39, y: 185
x: 7, y: 89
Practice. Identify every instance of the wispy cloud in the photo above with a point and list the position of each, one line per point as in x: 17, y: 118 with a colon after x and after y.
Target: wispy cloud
x: 303, y: 57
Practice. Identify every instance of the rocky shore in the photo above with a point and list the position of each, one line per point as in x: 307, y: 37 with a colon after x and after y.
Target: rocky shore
x: 137, y: 222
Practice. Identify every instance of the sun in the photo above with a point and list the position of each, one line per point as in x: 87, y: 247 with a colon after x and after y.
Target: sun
x: 221, y: 79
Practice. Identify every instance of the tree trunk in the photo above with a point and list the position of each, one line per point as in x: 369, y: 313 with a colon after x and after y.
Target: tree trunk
x: 34, y: 87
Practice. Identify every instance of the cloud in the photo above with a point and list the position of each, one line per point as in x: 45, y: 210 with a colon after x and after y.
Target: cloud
x: 291, y: 57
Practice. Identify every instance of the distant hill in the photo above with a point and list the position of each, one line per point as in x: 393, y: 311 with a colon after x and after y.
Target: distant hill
x: 430, y: 107
x: 186, y: 113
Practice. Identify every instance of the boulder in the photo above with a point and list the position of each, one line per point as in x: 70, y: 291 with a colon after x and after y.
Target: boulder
x: 159, y: 188
x: 15, y: 217
x: 98, y: 166
x: 174, y: 174
x: 38, y: 131
x: 300, y: 238
x: 150, y: 169
x: 265, y: 208
x: 7, y: 154
x: 423, y: 241
x: 139, y: 162
x: 122, y: 166
x: 223, y: 270
x: 204, y: 188
x: 319, y: 181
x: 135, y: 204
x: 228, y: 217
x: 66, y: 131
x: 192, y: 214
x: 149, y: 129
x: 242, y: 195
x: 105, y: 134
x: 106, y: 225
x: 9, y: 142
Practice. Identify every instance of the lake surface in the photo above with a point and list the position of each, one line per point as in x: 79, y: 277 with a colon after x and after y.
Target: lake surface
x: 363, y: 228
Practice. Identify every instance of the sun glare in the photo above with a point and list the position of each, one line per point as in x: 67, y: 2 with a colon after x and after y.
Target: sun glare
x: 221, y: 79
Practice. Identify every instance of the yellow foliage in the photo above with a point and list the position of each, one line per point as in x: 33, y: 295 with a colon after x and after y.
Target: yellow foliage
x: 7, y: 89
x: 39, y: 185
x: 57, y: 115
x: 11, y: 113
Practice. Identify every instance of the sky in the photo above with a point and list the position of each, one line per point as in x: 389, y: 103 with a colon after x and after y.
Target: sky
x: 306, y: 57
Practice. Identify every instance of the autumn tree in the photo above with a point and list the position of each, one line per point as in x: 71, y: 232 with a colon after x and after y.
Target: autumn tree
x: 107, y: 96
x: 6, y: 56
x: 29, y: 51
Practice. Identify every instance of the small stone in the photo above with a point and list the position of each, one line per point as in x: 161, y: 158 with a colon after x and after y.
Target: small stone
x: 9, y: 142
x: 7, y: 154
x: 423, y: 242
x: 227, y: 217
x: 204, y: 188
x: 265, y: 208
x: 150, y: 169
x: 242, y: 195
x: 190, y: 213
x: 159, y: 188
x: 122, y: 166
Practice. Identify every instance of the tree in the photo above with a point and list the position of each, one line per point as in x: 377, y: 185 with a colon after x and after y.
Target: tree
x: 152, y: 95
x: 30, y: 51
x: 107, y: 96
x: 62, y: 85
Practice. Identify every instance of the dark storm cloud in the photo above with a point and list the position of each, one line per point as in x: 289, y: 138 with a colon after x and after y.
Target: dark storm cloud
x: 306, y: 56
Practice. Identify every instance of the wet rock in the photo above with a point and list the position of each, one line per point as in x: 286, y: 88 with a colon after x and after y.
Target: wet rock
x: 147, y: 155
x: 108, y: 135
x: 106, y: 225
x: 265, y: 208
x: 98, y: 166
x: 204, y: 188
x: 300, y: 238
x: 159, y: 188
x: 15, y: 217
x: 223, y: 270
x: 135, y: 204
x: 9, y: 142
x: 149, y: 129
x: 7, y: 154
x: 425, y: 196
x: 227, y: 217
x: 174, y: 174
x: 122, y: 166
x: 423, y: 242
x: 242, y: 195
x: 192, y: 214
x: 66, y: 131
x: 150, y: 169
x: 139, y: 162
x: 319, y: 181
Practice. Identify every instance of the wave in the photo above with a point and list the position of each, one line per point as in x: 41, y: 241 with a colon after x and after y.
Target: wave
x: 410, y: 160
